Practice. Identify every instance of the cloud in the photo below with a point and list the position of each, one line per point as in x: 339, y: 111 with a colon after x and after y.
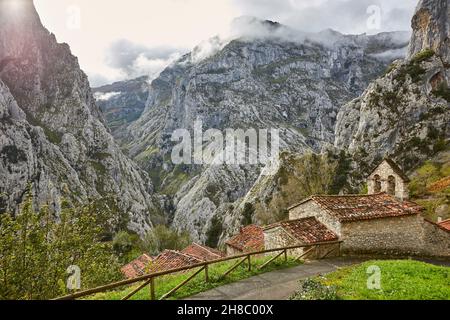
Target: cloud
x: 100, y: 96
x: 133, y: 60
x: 346, y: 16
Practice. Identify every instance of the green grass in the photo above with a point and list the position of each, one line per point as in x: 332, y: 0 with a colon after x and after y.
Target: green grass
x: 400, y: 280
x: 198, y: 284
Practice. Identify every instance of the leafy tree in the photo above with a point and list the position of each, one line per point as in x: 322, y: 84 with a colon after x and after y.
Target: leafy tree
x: 161, y: 238
x: 247, y: 214
x: 214, y: 232
x: 36, y: 249
x: 426, y: 175
x: 126, y: 246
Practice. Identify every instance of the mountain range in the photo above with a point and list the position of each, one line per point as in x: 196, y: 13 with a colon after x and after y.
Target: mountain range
x: 358, y: 97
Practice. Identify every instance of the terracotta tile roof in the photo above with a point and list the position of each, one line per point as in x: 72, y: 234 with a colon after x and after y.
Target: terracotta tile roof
x: 364, y: 207
x: 250, y: 238
x: 170, y: 259
x: 439, y: 185
x: 445, y: 225
x: 306, y: 230
x: 203, y: 253
x: 137, y: 267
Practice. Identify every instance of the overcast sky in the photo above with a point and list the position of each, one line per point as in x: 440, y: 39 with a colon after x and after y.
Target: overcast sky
x: 116, y: 40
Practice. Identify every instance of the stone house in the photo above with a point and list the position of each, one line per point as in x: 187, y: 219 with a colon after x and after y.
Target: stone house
x: 381, y: 222
x: 388, y: 178
x: 378, y: 224
x: 298, y: 232
x: 250, y: 238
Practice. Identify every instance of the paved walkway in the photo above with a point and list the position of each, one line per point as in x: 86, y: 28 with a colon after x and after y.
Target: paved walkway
x: 275, y: 285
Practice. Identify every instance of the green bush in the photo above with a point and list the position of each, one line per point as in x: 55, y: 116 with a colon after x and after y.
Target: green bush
x: 126, y: 246
x: 214, y: 232
x: 247, y: 214
x: 423, y: 56
x: 161, y: 238
x: 313, y: 289
x: 36, y: 250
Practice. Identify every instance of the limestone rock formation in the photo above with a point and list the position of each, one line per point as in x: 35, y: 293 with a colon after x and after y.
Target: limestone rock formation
x: 431, y: 29
x: 279, y: 78
x: 52, y: 133
x: 405, y: 113
x: 122, y: 103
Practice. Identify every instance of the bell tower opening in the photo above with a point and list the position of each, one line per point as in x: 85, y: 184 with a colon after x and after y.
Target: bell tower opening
x: 377, y: 184
x: 391, y: 186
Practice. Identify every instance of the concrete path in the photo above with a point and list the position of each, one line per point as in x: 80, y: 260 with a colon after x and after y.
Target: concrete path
x: 275, y: 285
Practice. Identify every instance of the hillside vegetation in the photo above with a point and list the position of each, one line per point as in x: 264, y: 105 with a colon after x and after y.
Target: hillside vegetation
x: 430, y: 186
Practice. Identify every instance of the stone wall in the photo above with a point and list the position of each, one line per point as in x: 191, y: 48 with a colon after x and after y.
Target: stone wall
x: 436, y: 240
x: 389, y: 236
x: 312, y: 209
x: 232, y: 251
x: 384, y: 170
x: 408, y: 235
x: 278, y: 238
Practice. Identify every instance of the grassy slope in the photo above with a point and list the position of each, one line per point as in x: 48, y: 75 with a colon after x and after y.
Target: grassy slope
x: 400, y: 280
x: 198, y: 284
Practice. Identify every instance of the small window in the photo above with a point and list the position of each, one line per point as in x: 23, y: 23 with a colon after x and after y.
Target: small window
x: 391, y: 185
x: 377, y: 182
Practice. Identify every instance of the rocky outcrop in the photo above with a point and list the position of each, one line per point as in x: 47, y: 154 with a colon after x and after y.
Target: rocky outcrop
x: 53, y: 133
x: 404, y: 114
x: 122, y: 103
x: 431, y: 29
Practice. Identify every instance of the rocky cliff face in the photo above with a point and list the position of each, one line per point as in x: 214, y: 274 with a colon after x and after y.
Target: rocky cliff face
x: 262, y: 82
x: 122, y: 103
x: 431, y: 26
x: 405, y: 113
x: 52, y: 133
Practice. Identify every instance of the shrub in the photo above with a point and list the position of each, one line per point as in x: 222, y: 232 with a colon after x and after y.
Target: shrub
x: 214, y: 232
x: 126, y: 246
x: 247, y: 214
x: 313, y: 289
x: 161, y: 238
x: 36, y: 250
x: 423, y: 56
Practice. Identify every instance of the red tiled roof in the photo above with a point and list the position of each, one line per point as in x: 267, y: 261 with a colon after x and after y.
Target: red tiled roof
x: 364, y: 207
x: 445, y: 224
x: 203, y: 253
x: 250, y: 238
x: 137, y: 267
x: 306, y: 230
x: 170, y: 259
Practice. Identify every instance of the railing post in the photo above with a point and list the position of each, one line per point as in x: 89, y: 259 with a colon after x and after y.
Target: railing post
x: 249, y: 263
x: 285, y: 255
x: 206, y: 273
x: 152, y: 289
